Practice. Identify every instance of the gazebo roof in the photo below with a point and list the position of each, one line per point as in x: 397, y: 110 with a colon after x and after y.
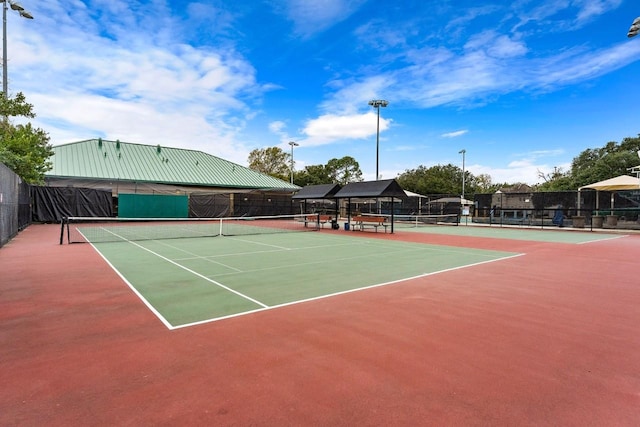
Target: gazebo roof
x: 382, y: 188
x: 322, y: 191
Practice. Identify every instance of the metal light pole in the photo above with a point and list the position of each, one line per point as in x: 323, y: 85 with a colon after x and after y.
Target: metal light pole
x: 18, y: 8
x: 377, y: 103
x: 635, y: 28
x: 462, y: 152
x: 292, y: 144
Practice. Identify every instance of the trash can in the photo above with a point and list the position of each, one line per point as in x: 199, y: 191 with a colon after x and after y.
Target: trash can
x: 346, y: 226
x: 334, y: 224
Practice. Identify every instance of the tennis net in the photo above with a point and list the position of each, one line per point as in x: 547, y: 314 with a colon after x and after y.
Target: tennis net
x: 100, y: 230
x: 412, y: 221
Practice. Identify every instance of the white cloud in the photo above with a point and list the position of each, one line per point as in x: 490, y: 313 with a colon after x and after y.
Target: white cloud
x: 139, y: 122
x: 329, y: 128
x: 526, y: 169
x: 136, y: 75
x: 135, y: 81
x: 490, y: 64
x: 593, y: 8
x: 349, y: 97
x: 577, y: 66
x: 454, y: 133
x: 277, y: 127
x: 567, y: 15
x: 311, y: 17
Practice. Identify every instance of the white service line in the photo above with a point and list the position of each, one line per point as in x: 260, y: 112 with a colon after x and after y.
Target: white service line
x: 201, y: 322
x: 196, y: 256
x: 195, y: 273
x: 603, y: 240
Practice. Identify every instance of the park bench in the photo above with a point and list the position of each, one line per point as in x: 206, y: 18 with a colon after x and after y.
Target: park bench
x: 360, y: 222
x: 322, y: 219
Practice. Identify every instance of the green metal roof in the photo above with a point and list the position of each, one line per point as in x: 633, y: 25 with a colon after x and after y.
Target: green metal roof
x: 101, y: 159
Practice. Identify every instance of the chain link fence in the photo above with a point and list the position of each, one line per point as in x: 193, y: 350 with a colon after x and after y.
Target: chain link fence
x: 591, y: 209
x: 15, y: 207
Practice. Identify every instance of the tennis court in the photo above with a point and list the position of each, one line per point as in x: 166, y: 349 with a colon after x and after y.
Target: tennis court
x: 453, y: 225
x: 514, y: 233
x: 194, y: 280
x: 345, y: 328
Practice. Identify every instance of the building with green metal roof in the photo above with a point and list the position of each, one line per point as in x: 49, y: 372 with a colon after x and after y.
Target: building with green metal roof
x: 124, y: 167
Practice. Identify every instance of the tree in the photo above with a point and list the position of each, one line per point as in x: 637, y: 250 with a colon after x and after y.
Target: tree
x: 271, y: 161
x: 557, y: 180
x: 603, y: 163
x: 312, y: 175
x: 485, y: 184
x: 23, y: 149
x: 595, y: 164
x: 340, y: 171
x: 344, y: 170
x: 439, y: 179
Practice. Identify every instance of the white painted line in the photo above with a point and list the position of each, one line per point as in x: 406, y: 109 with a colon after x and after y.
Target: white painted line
x: 231, y: 254
x: 195, y: 273
x: 603, y: 240
x: 344, y: 292
x: 381, y: 255
x: 258, y: 243
x: 135, y: 291
x: 196, y: 256
x: 177, y: 265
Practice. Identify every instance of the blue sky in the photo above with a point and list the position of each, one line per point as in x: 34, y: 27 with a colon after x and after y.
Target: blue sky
x: 523, y: 86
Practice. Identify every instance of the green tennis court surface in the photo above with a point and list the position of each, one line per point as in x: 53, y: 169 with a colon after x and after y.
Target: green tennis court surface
x: 549, y: 235
x: 193, y: 280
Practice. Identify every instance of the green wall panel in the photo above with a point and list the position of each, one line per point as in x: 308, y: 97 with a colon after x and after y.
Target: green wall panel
x: 153, y: 206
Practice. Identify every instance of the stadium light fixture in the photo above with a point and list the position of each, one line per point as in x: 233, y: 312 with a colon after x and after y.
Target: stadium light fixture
x: 635, y: 28
x: 463, y: 151
x: 292, y: 144
x: 18, y: 8
x: 377, y: 103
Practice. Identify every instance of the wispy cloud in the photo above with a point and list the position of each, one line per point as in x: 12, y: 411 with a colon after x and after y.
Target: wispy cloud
x: 588, y: 9
x: 492, y: 63
x: 201, y: 75
x: 129, y: 77
x: 561, y: 15
x: 349, y: 96
x: 312, y: 17
x: 454, y: 134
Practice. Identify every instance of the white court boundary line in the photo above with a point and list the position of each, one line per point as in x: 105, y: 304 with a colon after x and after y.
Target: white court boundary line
x: 265, y: 307
x: 146, y: 302
x: 348, y: 291
x: 135, y: 291
x: 603, y: 239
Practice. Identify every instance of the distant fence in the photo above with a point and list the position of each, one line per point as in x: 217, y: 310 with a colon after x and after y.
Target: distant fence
x: 589, y: 209
x: 20, y: 204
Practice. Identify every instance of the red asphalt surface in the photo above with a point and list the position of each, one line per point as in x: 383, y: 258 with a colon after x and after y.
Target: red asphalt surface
x: 548, y: 338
